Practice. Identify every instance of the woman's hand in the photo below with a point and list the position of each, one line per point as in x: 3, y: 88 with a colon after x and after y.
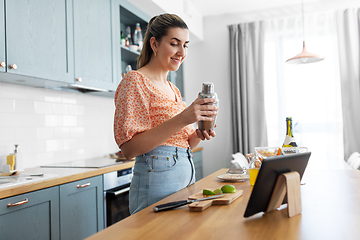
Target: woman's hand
x: 205, y: 135
x: 199, y: 110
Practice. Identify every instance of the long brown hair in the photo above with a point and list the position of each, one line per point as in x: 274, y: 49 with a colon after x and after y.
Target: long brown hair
x: 158, y: 27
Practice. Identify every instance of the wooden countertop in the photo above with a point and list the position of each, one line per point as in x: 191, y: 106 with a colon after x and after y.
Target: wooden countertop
x: 63, y: 175
x: 330, y: 210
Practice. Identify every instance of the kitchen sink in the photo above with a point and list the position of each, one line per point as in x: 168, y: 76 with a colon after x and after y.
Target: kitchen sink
x: 23, y: 178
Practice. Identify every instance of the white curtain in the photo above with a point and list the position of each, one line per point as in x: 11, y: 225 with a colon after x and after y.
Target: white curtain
x: 309, y: 93
x: 348, y: 28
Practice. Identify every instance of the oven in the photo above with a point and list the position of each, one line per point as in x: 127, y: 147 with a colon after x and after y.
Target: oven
x: 116, y: 195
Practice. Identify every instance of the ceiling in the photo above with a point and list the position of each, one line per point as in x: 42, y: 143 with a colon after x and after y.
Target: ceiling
x: 216, y: 7
x: 220, y: 7
x: 254, y: 7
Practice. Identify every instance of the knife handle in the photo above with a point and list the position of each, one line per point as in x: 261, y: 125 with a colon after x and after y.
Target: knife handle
x: 171, y: 205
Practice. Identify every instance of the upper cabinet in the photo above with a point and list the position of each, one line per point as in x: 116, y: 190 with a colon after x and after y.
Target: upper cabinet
x: 38, y: 40
x: 68, y: 44
x: 95, y: 44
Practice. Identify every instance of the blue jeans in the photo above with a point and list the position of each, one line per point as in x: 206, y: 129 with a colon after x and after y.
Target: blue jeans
x: 158, y: 174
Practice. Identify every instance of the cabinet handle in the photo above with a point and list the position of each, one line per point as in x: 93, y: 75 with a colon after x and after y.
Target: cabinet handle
x: 18, y: 203
x: 79, y: 79
x: 2, y: 64
x: 13, y: 66
x: 84, y: 185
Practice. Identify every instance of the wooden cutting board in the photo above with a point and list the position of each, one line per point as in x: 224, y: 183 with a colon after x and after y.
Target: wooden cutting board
x: 202, y: 205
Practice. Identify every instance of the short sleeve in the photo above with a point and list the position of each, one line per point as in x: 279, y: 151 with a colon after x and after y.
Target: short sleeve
x: 131, y: 109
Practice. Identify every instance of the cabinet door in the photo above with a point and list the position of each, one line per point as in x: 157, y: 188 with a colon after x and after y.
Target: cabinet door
x: 93, y: 44
x: 81, y: 208
x: 198, y: 162
x: 39, y: 39
x: 36, y: 218
x: 2, y: 37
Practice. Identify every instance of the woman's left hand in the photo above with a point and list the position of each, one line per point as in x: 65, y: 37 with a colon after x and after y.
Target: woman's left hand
x: 205, y: 135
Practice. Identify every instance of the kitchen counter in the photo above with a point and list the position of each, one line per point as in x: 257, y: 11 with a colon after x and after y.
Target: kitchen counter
x: 330, y: 210
x: 63, y: 175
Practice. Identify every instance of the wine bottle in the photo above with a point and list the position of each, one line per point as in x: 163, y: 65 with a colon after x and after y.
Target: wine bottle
x: 289, y: 138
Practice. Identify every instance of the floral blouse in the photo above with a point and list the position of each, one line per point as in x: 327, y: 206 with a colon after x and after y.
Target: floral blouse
x: 141, y: 105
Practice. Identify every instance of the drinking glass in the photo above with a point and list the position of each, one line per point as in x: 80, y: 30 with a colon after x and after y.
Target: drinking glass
x: 265, y: 152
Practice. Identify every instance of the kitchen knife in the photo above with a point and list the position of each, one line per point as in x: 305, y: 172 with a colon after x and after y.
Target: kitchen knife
x: 171, y: 205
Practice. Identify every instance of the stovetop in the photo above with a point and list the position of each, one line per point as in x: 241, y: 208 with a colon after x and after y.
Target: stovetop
x: 86, y: 163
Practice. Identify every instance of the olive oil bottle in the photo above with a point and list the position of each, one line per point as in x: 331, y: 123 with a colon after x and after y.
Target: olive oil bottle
x: 289, y: 138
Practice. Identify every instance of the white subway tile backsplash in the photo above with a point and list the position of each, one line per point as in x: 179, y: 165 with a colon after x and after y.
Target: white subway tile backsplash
x: 35, y: 120
x: 25, y: 133
x: 61, y: 108
x: 7, y: 105
x: 13, y: 91
x: 54, y: 126
x: 44, y: 107
x: 53, y: 120
x: 54, y: 145
x: 44, y: 133
x: 24, y: 106
x: 77, y: 132
x: 7, y: 134
x: 12, y: 120
x: 69, y: 121
x: 61, y: 132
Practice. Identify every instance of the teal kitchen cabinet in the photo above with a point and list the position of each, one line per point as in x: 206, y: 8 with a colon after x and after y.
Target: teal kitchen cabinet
x: 38, y: 39
x: 198, y: 162
x: 95, y: 48
x: 33, y: 215
x: 81, y: 208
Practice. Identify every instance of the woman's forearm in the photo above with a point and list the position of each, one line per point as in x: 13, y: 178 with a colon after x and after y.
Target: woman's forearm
x: 145, y: 141
x: 194, y: 140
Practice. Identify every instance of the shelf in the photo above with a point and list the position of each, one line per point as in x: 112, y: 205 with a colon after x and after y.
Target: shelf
x: 128, y: 55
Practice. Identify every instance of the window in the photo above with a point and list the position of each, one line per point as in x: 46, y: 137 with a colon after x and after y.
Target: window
x: 309, y: 93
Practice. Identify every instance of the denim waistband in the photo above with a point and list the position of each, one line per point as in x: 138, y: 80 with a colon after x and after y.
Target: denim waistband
x: 166, y: 150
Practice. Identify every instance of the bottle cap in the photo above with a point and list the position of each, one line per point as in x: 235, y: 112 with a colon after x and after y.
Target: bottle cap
x: 207, y: 87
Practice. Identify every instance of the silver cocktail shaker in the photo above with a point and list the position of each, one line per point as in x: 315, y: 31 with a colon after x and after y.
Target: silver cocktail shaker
x: 208, y: 92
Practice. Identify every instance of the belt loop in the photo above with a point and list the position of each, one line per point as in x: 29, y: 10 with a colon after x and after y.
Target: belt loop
x: 177, y: 152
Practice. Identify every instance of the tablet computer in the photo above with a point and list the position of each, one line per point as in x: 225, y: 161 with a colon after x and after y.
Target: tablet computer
x: 270, y: 169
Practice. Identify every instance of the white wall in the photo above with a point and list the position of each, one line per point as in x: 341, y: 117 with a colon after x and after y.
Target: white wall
x: 54, y: 126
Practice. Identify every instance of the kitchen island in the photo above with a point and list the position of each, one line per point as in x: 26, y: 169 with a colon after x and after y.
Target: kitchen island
x: 330, y: 210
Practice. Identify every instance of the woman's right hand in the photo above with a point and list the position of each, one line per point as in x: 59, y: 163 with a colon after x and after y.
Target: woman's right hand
x: 199, y: 110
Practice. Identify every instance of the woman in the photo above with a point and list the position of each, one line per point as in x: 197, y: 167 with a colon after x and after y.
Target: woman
x: 151, y: 121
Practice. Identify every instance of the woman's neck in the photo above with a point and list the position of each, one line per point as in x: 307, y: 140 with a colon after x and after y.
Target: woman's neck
x: 154, y: 73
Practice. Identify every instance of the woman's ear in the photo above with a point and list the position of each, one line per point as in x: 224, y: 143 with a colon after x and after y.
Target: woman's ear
x: 154, y: 44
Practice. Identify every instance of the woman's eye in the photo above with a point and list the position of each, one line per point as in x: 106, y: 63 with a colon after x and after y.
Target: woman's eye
x: 174, y: 44
x: 186, y: 46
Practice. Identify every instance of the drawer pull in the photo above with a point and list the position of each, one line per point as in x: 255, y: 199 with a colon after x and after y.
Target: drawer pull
x: 18, y: 203
x: 79, y: 79
x: 84, y: 185
x: 2, y: 64
x: 13, y: 66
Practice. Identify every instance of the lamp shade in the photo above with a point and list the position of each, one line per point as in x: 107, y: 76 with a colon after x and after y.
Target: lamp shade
x: 305, y: 57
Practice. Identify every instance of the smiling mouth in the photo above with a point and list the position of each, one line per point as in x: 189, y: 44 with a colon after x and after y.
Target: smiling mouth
x: 176, y: 60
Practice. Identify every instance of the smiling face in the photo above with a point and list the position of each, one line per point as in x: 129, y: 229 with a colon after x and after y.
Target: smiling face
x: 171, y: 50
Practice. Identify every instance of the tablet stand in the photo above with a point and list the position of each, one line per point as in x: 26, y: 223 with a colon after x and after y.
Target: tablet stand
x: 286, y: 183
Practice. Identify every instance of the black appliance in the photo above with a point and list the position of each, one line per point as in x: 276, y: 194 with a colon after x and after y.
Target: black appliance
x: 116, y: 195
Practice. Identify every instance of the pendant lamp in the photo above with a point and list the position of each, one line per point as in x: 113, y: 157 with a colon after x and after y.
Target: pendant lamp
x: 304, y: 56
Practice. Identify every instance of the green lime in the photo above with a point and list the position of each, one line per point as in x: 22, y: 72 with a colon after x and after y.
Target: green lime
x: 208, y: 192
x: 218, y: 191
x: 228, y: 189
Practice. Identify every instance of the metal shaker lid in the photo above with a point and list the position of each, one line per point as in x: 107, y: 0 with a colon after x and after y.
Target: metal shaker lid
x: 208, y: 87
